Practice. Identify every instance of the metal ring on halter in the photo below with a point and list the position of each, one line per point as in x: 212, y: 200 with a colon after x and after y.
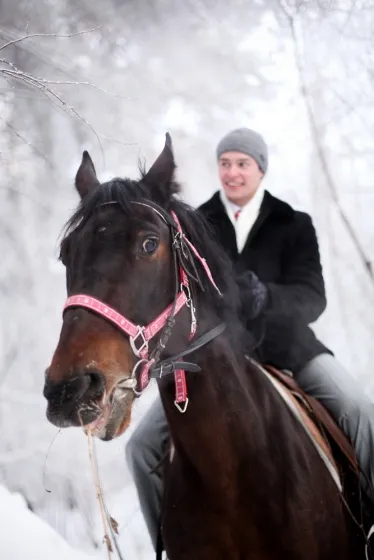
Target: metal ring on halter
x: 133, y: 376
x: 182, y: 409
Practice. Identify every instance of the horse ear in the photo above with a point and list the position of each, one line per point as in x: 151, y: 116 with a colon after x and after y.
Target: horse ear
x: 85, y: 179
x: 161, y: 174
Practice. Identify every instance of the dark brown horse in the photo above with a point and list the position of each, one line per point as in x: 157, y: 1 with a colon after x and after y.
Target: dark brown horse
x: 245, y: 482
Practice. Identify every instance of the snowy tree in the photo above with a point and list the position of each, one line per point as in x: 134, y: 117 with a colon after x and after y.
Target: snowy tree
x: 122, y: 74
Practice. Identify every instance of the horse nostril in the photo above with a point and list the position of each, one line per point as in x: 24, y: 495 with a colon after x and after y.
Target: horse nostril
x: 71, y: 401
x: 81, y: 388
x: 94, y: 383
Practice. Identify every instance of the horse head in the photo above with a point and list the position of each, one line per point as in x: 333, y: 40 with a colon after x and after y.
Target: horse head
x: 130, y: 275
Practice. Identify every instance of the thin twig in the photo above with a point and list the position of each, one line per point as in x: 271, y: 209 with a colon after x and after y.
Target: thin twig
x: 34, y: 148
x: 65, y: 82
x: 88, y: 84
x: 57, y: 100
x: 34, y: 49
x: 51, y: 95
x: 46, y: 458
x: 4, y: 61
x: 56, y: 35
x: 99, y: 495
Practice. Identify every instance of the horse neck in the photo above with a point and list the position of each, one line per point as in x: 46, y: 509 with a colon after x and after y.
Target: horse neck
x: 220, y: 408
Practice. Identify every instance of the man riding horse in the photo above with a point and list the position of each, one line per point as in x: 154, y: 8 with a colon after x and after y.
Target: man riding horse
x: 152, y: 294
x: 275, y: 253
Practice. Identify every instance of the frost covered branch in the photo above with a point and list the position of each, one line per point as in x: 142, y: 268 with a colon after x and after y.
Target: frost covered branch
x: 10, y: 71
x: 13, y: 72
x: 56, y: 35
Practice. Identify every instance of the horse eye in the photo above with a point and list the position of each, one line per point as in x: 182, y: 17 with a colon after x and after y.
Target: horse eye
x: 150, y: 245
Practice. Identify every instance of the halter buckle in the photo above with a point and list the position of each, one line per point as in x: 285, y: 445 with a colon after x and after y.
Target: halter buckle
x: 186, y: 289
x: 189, y: 303
x: 177, y: 240
x: 138, y: 351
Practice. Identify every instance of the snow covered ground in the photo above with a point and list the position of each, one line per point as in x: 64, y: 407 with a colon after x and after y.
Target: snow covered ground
x: 25, y: 535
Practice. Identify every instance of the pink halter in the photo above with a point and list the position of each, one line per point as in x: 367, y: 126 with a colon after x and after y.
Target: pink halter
x: 140, y: 336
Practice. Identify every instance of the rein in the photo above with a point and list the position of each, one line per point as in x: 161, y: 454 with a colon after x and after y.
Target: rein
x: 149, y: 365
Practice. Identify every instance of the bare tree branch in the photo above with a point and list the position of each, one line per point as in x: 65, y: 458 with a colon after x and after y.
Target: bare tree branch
x: 60, y: 82
x: 11, y: 72
x: 34, y: 49
x: 56, y: 35
x: 39, y: 84
x: 298, y: 54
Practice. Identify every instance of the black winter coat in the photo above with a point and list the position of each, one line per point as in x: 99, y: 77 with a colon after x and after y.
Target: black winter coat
x: 282, y: 250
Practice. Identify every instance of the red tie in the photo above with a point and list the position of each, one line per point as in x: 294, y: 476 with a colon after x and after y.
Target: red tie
x: 236, y: 215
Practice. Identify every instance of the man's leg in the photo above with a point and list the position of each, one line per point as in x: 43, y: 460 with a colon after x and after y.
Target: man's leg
x: 326, y: 379
x: 144, y: 451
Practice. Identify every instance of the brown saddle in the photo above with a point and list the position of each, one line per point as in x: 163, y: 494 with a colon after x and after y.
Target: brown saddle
x: 320, y: 417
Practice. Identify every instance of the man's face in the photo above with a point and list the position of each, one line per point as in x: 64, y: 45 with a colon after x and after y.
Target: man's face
x: 240, y: 176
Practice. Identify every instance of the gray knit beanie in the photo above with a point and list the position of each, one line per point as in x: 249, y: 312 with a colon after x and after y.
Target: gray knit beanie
x: 247, y: 142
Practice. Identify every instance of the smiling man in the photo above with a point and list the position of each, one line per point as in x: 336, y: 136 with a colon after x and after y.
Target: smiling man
x: 241, y: 172
x: 242, y: 163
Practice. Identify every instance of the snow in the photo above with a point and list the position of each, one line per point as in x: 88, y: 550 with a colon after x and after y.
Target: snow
x: 25, y: 535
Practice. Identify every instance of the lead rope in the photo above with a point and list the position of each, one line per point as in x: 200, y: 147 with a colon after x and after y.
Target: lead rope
x: 109, y: 519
